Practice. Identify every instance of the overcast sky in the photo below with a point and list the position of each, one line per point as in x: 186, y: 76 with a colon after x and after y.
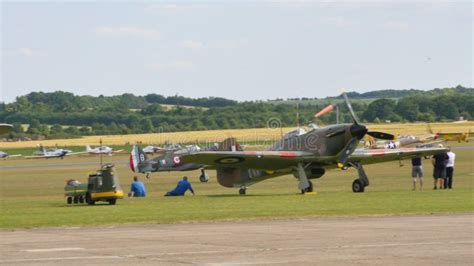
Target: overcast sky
x: 238, y: 50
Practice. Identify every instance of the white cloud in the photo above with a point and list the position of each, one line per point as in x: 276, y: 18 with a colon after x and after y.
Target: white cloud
x: 127, y: 32
x: 175, y: 66
x: 190, y: 44
x: 183, y: 65
x: 229, y: 44
x: 174, y: 7
x: 338, y: 21
x: 25, y: 51
x: 396, y: 25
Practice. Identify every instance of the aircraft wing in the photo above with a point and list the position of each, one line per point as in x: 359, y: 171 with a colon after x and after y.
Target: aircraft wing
x: 76, y: 153
x: 263, y: 160
x: 12, y: 156
x: 35, y: 157
x: 370, y: 156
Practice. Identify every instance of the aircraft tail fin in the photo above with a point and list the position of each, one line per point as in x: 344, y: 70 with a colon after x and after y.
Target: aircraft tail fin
x: 137, y: 156
x: 88, y: 148
x: 42, y: 149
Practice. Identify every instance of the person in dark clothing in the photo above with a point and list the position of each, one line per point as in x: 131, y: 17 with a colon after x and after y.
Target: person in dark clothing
x: 181, y: 188
x: 417, y: 171
x: 439, y: 161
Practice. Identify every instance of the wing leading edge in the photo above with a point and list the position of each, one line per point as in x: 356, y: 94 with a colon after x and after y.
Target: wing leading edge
x: 263, y: 160
x: 370, y: 156
x: 277, y: 160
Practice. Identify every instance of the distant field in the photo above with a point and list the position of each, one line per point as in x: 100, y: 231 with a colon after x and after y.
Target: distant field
x: 33, y: 196
x: 254, y: 136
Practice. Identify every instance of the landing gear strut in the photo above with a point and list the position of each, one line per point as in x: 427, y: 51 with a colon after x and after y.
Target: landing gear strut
x: 359, y: 184
x: 203, y: 177
x: 305, y: 185
x: 242, y: 190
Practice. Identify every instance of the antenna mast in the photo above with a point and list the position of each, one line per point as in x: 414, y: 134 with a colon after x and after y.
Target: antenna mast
x: 298, y: 114
x: 100, y: 141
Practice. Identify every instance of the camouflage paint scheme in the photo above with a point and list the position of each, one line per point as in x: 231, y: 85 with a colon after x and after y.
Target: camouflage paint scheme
x: 306, y: 156
x: 317, y: 151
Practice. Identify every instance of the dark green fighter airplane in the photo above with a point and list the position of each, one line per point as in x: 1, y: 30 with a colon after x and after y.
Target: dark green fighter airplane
x: 306, y: 156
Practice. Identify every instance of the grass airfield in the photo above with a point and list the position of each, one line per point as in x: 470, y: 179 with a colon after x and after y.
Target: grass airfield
x: 32, y: 195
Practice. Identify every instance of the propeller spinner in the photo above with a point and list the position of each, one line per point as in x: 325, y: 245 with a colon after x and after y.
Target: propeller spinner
x: 358, y: 131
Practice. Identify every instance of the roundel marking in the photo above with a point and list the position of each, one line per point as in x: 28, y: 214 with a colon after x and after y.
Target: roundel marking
x: 176, y: 160
x: 229, y: 160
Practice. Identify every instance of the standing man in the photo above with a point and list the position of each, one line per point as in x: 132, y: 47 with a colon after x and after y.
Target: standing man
x: 417, y: 171
x: 137, y: 189
x: 439, y: 161
x: 450, y: 169
x: 181, y: 188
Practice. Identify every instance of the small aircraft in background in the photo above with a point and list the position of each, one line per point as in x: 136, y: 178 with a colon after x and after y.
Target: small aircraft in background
x: 403, y: 141
x: 101, y: 150
x: 50, y: 153
x: 453, y: 136
x: 153, y: 149
x: 5, y: 155
x: 165, y: 162
x: 306, y: 156
x: 169, y: 147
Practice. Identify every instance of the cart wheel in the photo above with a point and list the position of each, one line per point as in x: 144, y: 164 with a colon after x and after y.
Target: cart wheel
x: 89, y: 199
x: 112, y: 201
x: 69, y: 200
x: 81, y: 199
x: 76, y: 199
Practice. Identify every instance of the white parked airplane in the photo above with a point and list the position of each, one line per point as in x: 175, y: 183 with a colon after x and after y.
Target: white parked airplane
x: 51, y: 153
x: 101, y: 150
x: 5, y: 155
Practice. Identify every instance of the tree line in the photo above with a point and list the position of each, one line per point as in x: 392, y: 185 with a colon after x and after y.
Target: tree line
x: 63, y: 114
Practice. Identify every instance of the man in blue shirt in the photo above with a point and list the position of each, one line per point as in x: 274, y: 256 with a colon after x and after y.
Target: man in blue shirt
x: 181, y: 188
x: 137, y: 188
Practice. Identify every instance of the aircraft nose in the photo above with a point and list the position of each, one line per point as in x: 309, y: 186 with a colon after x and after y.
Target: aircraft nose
x: 358, y: 131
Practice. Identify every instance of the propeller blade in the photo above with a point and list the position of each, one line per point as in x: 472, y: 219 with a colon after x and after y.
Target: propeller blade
x: 381, y: 135
x: 349, y: 106
x: 324, y: 111
x: 348, y: 150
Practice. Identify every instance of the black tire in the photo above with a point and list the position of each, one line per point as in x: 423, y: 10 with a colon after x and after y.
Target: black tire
x: 69, y: 200
x: 76, y: 199
x: 81, y: 199
x: 308, y: 189
x: 357, y: 186
x: 242, y: 191
x: 89, y: 199
x: 112, y: 201
x: 203, y: 178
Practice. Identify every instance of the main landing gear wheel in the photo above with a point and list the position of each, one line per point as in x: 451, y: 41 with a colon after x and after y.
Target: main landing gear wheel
x: 308, y: 189
x: 242, y: 191
x: 357, y: 186
x: 203, y: 177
